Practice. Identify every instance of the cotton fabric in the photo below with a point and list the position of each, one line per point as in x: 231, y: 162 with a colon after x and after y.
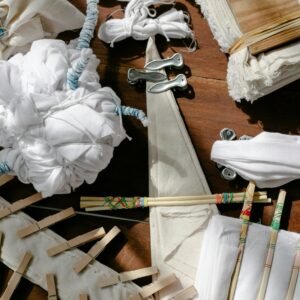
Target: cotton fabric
x: 250, y: 77
x: 54, y: 137
x: 269, y: 159
x: 28, y: 20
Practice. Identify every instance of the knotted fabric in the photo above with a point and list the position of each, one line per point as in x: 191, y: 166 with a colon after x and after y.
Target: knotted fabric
x: 53, y: 136
x: 138, y: 23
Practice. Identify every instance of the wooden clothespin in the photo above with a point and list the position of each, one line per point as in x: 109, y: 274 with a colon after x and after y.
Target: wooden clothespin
x: 20, y: 204
x: 44, y: 223
x: 16, y: 277
x: 187, y: 293
x: 96, y: 250
x: 154, y: 287
x: 52, y: 293
x: 77, y: 241
x: 83, y: 297
x: 5, y: 179
x: 127, y: 276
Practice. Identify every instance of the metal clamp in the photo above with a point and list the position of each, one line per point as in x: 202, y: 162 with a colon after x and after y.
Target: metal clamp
x: 176, y: 61
x: 134, y: 76
x: 179, y: 82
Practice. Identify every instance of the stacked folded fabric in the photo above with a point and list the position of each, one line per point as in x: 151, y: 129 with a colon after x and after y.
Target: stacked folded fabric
x: 250, y: 77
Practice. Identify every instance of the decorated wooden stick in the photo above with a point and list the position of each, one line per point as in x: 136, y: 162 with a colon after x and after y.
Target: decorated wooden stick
x: 245, y: 216
x: 294, y: 276
x: 272, y: 244
x: 110, y: 203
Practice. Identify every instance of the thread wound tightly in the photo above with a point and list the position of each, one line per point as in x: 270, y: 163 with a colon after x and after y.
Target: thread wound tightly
x: 133, y: 112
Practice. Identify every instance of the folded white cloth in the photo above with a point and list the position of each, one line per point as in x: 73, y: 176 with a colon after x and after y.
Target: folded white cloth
x: 250, y: 77
x: 69, y: 283
x: 176, y: 232
x: 54, y: 137
x: 218, y: 259
x: 25, y: 21
x: 269, y: 159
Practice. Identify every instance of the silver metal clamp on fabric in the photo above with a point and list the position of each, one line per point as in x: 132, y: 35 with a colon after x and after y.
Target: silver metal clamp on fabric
x: 176, y: 61
x: 179, y: 82
x: 134, y: 76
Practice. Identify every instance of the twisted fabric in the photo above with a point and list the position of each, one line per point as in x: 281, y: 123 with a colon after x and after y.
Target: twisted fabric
x: 138, y: 23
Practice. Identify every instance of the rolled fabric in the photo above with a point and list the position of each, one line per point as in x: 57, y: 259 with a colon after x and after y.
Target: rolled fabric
x: 23, y: 22
x: 269, y: 159
x: 138, y: 24
x: 55, y: 137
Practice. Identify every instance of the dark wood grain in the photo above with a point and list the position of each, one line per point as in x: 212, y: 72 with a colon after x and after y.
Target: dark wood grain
x: 206, y: 112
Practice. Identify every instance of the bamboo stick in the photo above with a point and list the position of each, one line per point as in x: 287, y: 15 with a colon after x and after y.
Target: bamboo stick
x: 245, y: 216
x: 294, y: 276
x: 272, y: 244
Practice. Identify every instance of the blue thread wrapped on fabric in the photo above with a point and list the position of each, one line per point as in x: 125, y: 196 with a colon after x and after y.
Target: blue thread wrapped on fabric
x: 133, y: 112
x: 3, y: 32
x: 4, y: 168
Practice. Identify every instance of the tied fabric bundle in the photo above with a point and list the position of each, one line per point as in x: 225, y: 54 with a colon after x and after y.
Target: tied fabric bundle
x: 140, y: 24
x: 250, y: 77
x: 219, y: 254
x: 59, y: 126
x: 24, y: 21
x: 269, y: 159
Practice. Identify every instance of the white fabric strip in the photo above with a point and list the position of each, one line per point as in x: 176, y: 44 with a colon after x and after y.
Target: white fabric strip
x: 250, y: 77
x: 176, y: 232
x: 218, y: 258
x: 269, y: 159
x: 69, y: 284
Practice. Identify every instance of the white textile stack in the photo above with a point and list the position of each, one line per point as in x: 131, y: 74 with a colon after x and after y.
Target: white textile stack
x: 55, y: 137
x: 269, y: 159
x: 24, y: 21
x: 250, y: 77
x: 218, y: 259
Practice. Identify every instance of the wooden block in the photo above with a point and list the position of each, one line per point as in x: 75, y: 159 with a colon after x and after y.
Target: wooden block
x: 96, y: 250
x: 52, y: 293
x: 16, y: 277
x: 77, y: 241
x: 53, y: 219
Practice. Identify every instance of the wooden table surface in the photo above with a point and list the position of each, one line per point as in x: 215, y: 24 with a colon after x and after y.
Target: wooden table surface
x: 205, y: 113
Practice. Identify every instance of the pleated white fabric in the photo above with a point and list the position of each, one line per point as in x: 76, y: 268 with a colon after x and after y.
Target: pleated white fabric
x: 250, y: 77
x: 269, y: 159
x: 25, y: 21
x: 54, y: 137
x: 218, y: 258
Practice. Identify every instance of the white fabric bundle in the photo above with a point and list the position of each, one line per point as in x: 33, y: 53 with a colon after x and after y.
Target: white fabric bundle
x: 269, y: 159
x: 218, y: 259
x: 250, y: 77
x: 138, y: 24
x: 25, y: 21
x: 176, y: 232
x: 69, y: 283
x: 54, y: 137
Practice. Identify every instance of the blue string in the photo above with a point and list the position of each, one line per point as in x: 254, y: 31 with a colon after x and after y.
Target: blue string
x: 4, y: 168
x: 75, y: 73
x: 89, y: 25
x: 133, y: 112
x: 3, y: 32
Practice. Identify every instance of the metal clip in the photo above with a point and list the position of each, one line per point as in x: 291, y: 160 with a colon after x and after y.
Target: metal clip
x: 179, y: 82
x: 175, y: 61
x: 134, y: 75
x: 245, y: 137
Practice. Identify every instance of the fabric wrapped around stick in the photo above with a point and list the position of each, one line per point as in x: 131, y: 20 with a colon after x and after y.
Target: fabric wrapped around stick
x: 138, y: 23
x: 269, y: 159
x: 250, y: 77
x: 54, y: 137
x: 24, y: 21
x: 218, y: 258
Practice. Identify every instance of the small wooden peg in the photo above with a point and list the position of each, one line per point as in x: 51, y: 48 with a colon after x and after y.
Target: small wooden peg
x: 96, y: 250
x: 44, y: 223
x: 83, y: 297
x: 52, y: 293
x: 16, y: 277
x: 77, y: 241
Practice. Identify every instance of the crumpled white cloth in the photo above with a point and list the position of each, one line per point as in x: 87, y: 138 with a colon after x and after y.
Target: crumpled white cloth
x: 269, y: 159
x: 54, y: 137
x: 69, y: 284
x: 218, y: 259
x: 250, y: 77
x: 138, y: 23
x: 28, y: 20
x: 176, y: 232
